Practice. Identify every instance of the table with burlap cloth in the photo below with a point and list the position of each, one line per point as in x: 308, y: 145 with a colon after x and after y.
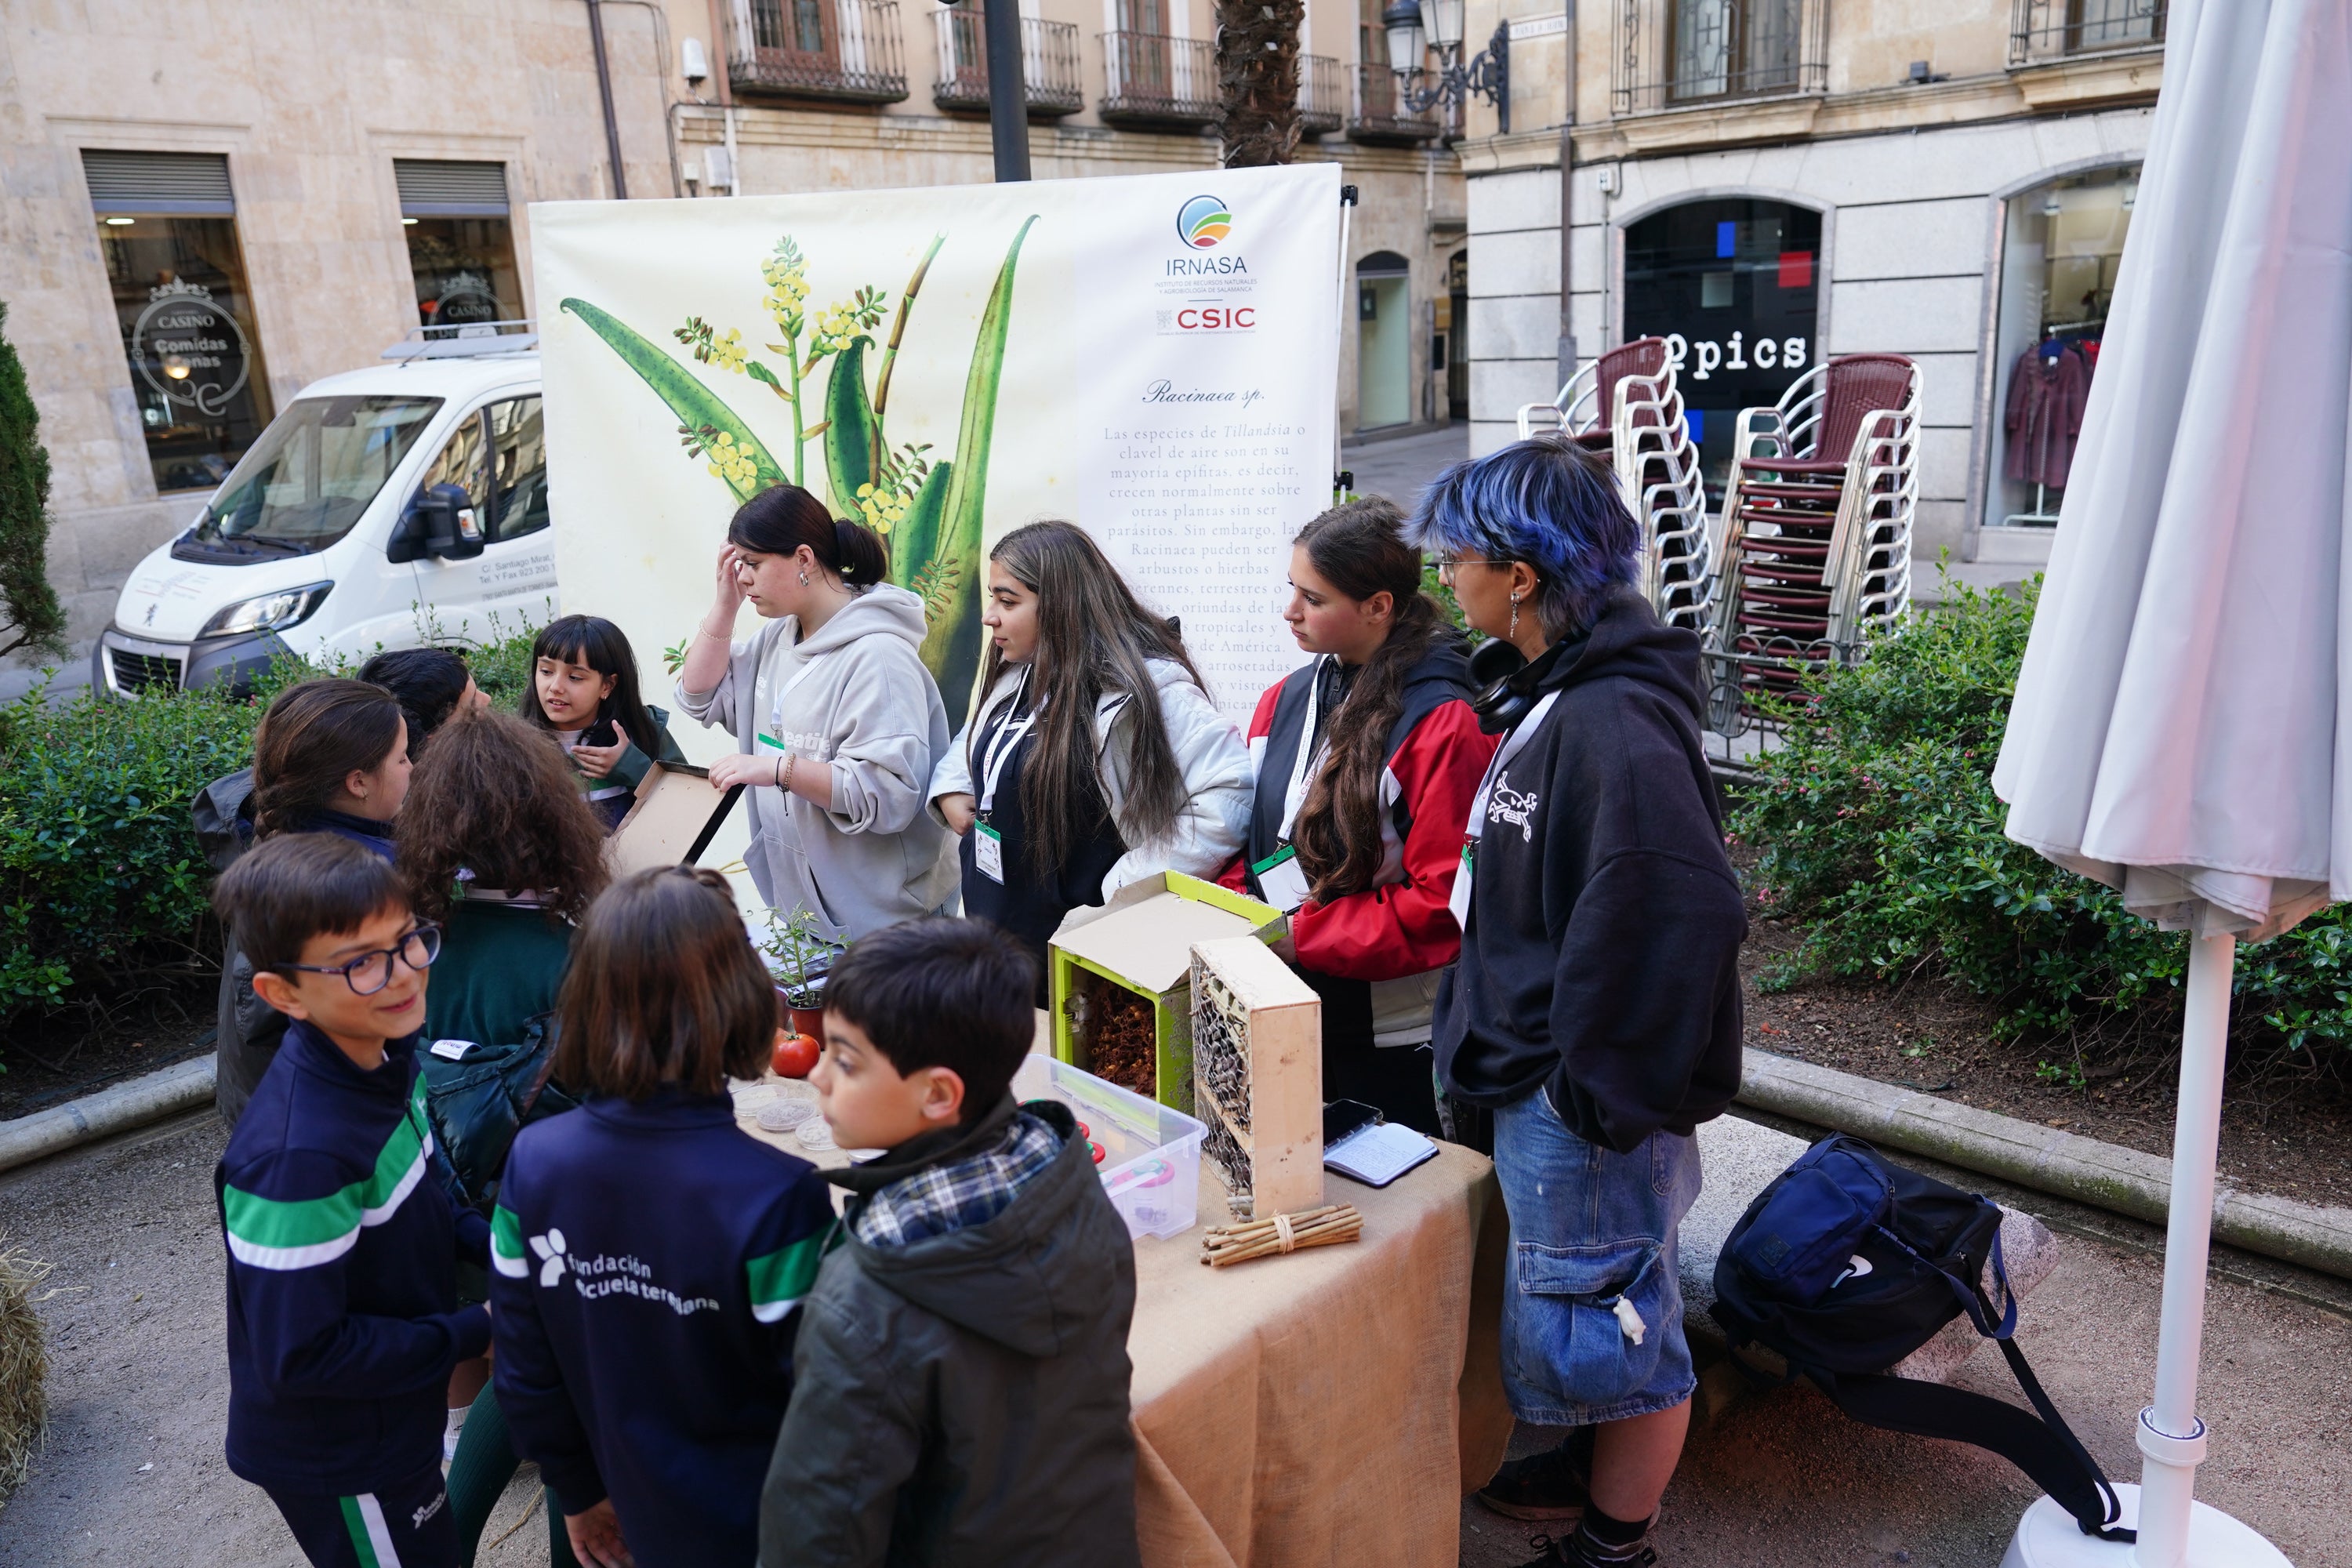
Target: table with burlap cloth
x: 1332, y: 1405
x: 1328, y: 1406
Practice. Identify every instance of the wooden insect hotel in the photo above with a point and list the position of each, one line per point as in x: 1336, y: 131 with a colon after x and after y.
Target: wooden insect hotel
x: 1257, y: 1070
x: 1120, y: 980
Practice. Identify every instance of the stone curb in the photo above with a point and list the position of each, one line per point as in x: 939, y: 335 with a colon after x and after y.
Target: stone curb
x: 110, y: 1110
x: 2123, y: 1181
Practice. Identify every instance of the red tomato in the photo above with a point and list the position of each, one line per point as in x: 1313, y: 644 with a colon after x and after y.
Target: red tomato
x: 795, y: 1054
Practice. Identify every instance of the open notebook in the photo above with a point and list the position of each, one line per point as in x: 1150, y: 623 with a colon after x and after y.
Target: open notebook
x: 1379, y: 1153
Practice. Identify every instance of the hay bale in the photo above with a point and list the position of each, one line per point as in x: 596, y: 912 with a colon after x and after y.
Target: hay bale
x: 23, y: 1366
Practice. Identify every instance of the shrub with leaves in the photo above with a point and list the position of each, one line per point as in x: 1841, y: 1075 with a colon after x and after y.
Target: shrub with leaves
x: 1877, y: 831
x: 103, y: 889
x: 101, y: 883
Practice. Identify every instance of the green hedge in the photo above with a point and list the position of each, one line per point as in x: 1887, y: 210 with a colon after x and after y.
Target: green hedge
x: 1877, y: 832
x: 102, y: 885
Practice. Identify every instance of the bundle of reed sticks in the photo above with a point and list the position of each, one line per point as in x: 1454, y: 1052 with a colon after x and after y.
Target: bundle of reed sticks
x: 1325, y: 1226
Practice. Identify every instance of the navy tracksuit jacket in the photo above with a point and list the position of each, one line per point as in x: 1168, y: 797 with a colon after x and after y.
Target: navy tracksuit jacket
x: 343, y: 1320
x: 647, y: 1260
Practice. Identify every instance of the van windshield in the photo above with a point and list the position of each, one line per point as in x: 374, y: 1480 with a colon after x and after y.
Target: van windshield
x: 306, y: 481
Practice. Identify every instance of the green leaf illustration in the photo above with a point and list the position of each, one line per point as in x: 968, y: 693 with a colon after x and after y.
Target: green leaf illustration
x: 852, y: 439
x: 952, y: 645
x: 696, y: 406
x: 917, y: 540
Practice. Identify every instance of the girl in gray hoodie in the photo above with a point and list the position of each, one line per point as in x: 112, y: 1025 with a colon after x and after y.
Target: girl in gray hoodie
x: 837, y: 724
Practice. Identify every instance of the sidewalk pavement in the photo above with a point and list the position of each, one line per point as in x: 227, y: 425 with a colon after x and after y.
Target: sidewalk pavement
x: 1399, y: 466
x: 1777, y: 1481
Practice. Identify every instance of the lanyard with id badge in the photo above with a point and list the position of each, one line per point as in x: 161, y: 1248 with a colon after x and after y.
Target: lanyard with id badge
x: 987, y: 843
x: 1281, y: 880
x: 1458, y: 901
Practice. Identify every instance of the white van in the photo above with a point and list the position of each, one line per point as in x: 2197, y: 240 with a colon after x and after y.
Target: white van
x: 391, y: 507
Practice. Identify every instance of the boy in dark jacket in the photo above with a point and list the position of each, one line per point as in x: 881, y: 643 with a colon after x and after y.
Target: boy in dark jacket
x: 960, y: 1381
x: 343, y: 1319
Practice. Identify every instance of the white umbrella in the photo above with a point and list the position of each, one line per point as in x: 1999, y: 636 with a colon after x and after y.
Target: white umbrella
x: 2179, y: 727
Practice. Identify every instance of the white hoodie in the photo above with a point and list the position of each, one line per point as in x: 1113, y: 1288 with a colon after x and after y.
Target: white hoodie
x: 1218, y: 786
x: 855, y: 696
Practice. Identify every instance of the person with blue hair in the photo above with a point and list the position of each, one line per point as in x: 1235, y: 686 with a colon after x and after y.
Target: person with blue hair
x: 1594, y: 1014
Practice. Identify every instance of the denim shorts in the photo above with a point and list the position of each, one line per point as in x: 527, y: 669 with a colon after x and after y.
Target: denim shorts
x: 1591, y: 1229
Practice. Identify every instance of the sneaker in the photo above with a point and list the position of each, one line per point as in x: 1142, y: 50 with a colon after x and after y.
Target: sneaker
x: 1581, y: 1550
x: 1552, y: 1485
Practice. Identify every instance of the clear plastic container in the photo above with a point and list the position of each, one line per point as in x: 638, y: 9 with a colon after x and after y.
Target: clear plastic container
x: 1151, y: 1153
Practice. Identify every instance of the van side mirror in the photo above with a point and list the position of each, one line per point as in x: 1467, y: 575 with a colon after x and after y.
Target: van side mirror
x: 441, y: 522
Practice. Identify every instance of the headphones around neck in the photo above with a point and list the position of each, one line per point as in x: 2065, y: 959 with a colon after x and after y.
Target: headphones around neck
x: 1504, y: 697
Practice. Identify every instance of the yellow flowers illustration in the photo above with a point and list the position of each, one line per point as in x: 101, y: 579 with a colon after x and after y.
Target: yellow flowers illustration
x: 735, y: 463
x: 884, y: 509
x: 785, y: 272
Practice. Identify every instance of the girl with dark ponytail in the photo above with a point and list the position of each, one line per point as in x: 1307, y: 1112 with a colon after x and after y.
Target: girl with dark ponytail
x: 837, y: 724
x: 1365, y: 762
x: 1096, y: 758
x: 329, y: 756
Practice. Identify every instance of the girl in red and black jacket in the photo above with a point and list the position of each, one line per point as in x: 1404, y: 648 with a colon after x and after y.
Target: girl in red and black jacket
x: 1365, y: 761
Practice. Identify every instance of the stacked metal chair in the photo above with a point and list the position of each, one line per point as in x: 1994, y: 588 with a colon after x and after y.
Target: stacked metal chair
x: 1815, y: 540
x: 1626, y: 406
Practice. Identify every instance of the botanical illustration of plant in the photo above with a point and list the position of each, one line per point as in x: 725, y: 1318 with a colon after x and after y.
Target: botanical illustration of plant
x: 930, y: 512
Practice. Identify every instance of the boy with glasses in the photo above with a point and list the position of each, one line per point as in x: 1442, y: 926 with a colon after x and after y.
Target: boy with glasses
x: 343, y: 1319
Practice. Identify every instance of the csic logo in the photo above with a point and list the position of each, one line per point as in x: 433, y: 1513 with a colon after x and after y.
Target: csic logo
x: 1202, y: 222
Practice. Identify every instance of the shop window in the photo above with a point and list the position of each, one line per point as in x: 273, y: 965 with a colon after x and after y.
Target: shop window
x: 2061, y: 245
x: 460, y: 242
x: 167, y: 229
x: 1734, y: 286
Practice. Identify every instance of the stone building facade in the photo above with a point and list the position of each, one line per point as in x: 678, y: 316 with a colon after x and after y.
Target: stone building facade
x: 261, y: 193
x: 1820, y: 177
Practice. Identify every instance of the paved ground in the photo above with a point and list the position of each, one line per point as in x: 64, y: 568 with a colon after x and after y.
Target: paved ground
x: 132, y: 1471
x: 1398, y: 467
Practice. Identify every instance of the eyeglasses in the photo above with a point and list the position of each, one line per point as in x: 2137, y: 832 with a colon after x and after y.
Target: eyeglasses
x: 372, y: 972
x: 1447, y: 565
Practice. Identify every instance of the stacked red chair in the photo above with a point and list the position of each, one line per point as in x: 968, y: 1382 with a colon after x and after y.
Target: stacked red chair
x: 1625, y: 406
x: 1816, y: 530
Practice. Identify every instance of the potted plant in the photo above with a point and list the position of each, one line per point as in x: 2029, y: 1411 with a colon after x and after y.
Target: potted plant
x: 802, y: 957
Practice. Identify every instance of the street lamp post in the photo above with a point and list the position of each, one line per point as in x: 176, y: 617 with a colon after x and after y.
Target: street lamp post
x: 1485, y: 75
x: 1008, y: 107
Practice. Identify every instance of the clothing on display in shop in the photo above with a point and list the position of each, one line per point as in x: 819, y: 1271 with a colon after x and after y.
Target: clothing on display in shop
x: 2047, y: 391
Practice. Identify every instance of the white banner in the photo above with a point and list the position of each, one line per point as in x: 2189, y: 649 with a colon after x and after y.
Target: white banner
x: 1153, y: 357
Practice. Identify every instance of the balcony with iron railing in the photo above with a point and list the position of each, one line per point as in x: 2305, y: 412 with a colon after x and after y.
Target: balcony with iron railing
x: 1380, y: 113
x: 1692, y: 54
x: 2044, y: 32
x: 1152, y: 81
x: 844, y: 51
x: 1049, y: 65
x: 1322, y: 95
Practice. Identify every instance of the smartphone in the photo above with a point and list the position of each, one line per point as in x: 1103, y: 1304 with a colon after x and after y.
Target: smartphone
x: 1342, y: 1117
x: 604, y: 733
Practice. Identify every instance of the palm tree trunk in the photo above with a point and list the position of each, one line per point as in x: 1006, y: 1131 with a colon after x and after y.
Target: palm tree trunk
x: 1257, y: 79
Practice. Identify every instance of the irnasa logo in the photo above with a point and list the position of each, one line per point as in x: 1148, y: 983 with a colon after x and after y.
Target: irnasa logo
x: 1202, y: 222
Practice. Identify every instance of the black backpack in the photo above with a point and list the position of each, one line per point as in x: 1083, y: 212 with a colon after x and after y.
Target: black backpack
x: 1845, y: 1264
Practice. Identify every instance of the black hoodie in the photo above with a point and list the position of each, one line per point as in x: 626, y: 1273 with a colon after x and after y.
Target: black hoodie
x: 1601, y: 962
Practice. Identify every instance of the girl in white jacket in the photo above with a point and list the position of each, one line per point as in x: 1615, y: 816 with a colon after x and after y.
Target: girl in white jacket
x: 1096, y: 758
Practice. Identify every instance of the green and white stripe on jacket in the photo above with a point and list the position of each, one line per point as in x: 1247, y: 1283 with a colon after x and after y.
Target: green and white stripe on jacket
x: 300, y: 1233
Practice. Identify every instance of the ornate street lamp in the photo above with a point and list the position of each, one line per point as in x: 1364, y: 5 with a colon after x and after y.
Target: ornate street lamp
x: 1414, y: 25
